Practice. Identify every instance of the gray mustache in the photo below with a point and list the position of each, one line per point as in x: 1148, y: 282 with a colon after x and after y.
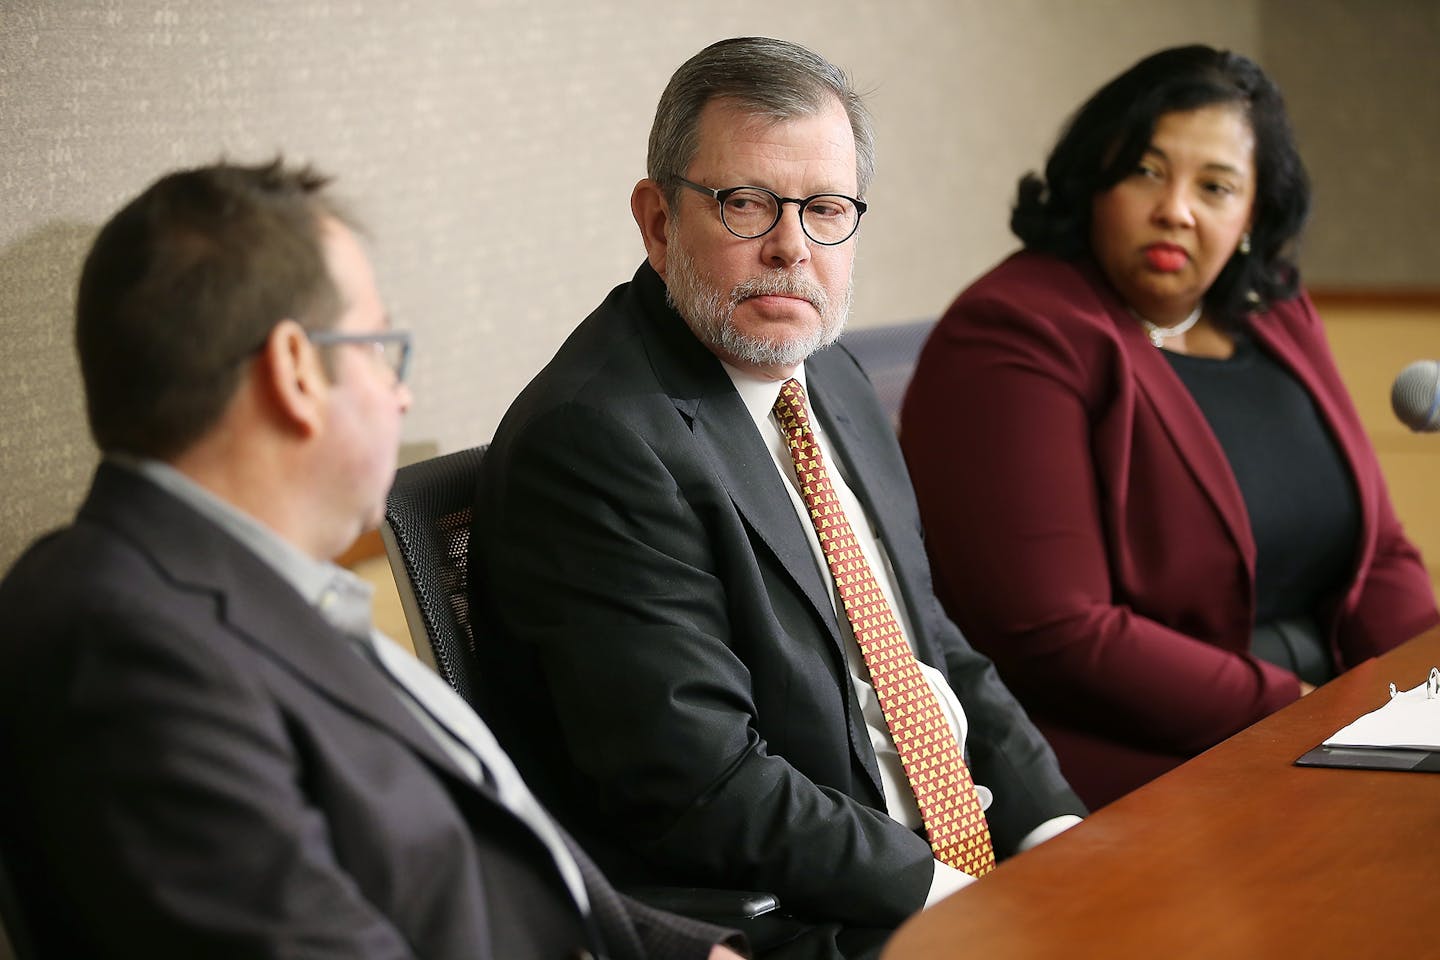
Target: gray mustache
x: 780, y: 284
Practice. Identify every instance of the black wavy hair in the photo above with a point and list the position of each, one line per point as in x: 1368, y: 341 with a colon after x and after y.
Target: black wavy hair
x: 1107, y: 136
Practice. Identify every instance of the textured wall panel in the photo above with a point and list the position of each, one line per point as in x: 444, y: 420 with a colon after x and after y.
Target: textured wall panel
x: 1361, y: 80
x: 491, y: 145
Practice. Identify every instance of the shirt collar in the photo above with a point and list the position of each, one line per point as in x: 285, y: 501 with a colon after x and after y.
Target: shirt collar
x: 759, y: 396
x: 341, y: 598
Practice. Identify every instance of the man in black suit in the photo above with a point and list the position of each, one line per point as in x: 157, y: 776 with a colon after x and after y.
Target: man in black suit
x: 207, y: 749
x: 681, y: 680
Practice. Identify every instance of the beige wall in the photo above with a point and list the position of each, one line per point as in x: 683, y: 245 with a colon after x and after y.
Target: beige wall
x: 491, y: 146
x: 1362, y: 78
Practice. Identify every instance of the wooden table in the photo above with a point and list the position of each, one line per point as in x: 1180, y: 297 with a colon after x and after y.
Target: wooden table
x: 1233, y: 855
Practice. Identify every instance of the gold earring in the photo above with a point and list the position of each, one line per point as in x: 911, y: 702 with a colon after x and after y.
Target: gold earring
x: 1245, y: 244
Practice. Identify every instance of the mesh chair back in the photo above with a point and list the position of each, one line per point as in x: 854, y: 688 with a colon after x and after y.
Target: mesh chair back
x: 427, y: 540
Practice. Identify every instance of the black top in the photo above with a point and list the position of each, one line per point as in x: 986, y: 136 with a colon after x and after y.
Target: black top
x: 1301, y: 499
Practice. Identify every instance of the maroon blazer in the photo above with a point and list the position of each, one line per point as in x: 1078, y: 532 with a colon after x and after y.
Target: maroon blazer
x: 1087, y: 533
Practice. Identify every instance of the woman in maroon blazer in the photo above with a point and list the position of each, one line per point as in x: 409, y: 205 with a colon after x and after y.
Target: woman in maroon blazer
x: 1146, y: 493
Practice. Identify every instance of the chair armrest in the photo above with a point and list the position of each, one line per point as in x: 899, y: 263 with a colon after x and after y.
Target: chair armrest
x: 706, y: 903
x: 755, y: 914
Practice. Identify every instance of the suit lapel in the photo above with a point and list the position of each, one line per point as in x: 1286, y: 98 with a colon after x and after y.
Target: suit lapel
x: 739, y: 457
x: 881, y: 489
x: 253, y: 602
x: 855, y: 455
x: 1275, y: 339
x: 1182, y: 420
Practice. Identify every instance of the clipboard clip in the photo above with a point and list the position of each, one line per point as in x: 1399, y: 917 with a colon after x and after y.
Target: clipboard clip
x: 1432, y: 685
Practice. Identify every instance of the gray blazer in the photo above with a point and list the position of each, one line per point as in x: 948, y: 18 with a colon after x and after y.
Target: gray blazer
x: 198, y: 765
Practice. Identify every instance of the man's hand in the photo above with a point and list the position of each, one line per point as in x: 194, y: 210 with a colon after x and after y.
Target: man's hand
x: 718, y: 952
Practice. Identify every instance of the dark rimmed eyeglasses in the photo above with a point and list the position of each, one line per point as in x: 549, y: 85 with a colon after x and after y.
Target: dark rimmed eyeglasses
x: 392, y: 347
x: 750, y: 212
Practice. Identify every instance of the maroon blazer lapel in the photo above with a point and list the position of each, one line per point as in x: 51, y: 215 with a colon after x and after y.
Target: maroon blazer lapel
x: 1184, y: 423
x: 1320, y: 378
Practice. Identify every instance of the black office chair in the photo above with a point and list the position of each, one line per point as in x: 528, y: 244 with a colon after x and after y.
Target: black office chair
x: 427, y: 541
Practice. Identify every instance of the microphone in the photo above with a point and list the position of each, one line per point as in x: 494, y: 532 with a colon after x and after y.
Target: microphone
x: 1415, y: 397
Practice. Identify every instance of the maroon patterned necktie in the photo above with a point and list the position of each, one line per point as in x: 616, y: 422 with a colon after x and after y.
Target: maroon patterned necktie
x: 929, y: 752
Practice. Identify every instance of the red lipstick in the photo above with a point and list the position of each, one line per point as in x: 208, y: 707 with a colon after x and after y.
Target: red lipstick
x: 1166, y: 257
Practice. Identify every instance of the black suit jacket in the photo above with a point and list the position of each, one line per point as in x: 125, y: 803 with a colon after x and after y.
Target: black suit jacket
x: 197, y: 765
x: 669, y: 667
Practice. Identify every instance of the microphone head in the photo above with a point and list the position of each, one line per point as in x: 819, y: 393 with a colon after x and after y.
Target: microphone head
x: 1415, y: 396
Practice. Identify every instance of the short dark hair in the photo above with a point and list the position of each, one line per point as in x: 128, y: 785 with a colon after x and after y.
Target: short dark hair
x: 183, y: 285
x: 1106, y: 138
x: 775, y: 79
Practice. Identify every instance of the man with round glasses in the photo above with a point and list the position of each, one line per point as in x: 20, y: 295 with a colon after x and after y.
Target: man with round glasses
x: 687, y: 669
x: 751, y: 212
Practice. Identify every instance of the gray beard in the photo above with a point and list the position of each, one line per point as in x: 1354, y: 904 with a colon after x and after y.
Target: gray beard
x: 711, y: 313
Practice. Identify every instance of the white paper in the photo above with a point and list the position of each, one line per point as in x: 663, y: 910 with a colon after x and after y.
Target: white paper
x: 1410, y: 721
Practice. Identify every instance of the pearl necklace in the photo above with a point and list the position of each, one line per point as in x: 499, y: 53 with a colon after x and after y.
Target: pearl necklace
x: 1158, y: 334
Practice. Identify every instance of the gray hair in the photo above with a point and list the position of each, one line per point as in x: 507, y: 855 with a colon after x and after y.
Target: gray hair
x: 774, y: 79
